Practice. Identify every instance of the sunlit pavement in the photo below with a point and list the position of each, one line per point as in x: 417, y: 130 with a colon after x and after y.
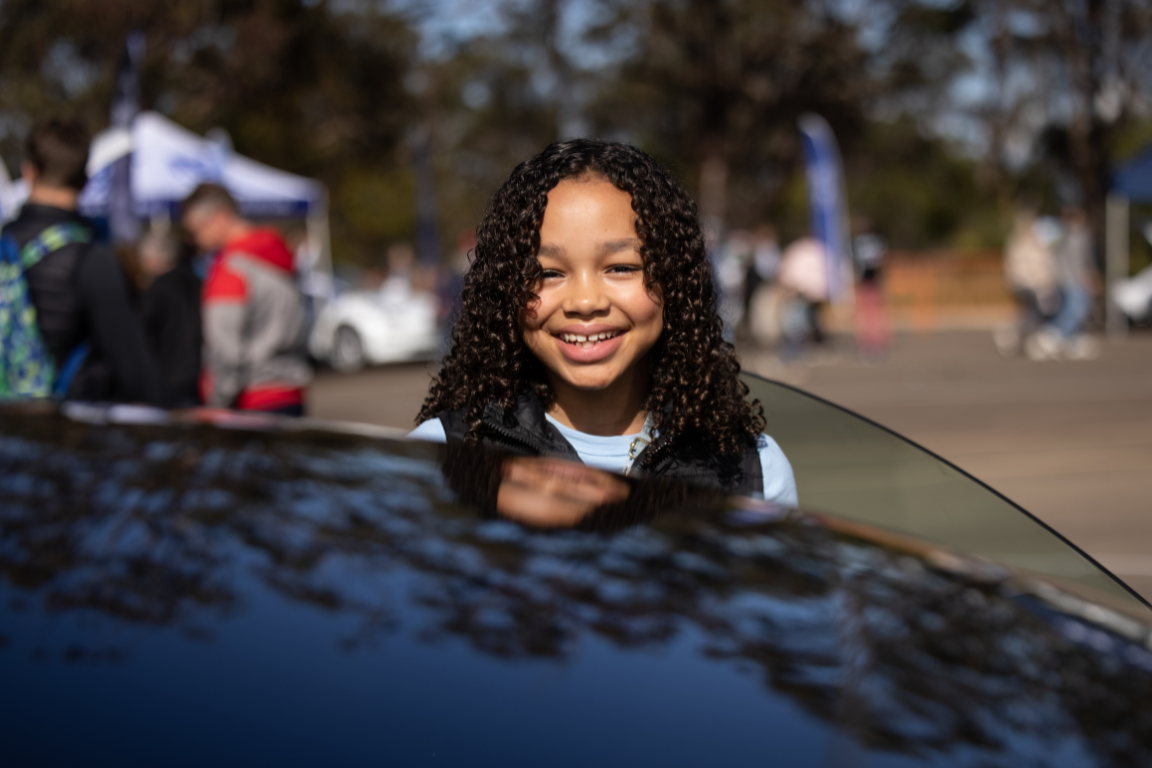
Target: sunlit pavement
x: 1069, y: 441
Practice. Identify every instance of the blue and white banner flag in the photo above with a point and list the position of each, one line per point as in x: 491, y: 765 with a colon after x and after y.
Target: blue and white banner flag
x: 828, y: 207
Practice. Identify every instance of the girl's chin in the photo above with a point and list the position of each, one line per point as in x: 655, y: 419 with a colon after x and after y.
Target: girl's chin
x: 590, y: 383
x: 590, y: 378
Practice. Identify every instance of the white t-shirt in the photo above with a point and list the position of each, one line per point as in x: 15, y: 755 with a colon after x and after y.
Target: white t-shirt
x: 610, y: 452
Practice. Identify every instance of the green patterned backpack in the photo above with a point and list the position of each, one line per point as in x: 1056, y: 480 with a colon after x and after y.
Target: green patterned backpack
x: 26, y: 366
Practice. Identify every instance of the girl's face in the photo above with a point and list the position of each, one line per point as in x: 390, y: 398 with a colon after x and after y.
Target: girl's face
x: 595, y: 321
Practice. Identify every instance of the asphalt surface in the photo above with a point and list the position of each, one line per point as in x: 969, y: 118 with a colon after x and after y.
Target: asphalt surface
x: 1069, y: 441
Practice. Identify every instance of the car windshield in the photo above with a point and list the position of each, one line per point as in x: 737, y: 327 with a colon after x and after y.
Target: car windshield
x: 850, y: 466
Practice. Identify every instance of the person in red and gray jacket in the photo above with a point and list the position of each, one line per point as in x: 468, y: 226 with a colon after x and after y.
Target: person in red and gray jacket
x: 253, y: 313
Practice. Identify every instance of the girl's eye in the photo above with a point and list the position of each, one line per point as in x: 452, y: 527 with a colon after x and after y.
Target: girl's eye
x: 549, y: 274
x: 624, y: 269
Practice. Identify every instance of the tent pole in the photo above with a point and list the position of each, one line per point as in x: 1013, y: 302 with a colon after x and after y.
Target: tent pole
x: 1116, y: 262
x: 316, y: 227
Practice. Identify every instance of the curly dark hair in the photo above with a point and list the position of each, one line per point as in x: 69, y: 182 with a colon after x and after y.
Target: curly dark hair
x: 694, y: 393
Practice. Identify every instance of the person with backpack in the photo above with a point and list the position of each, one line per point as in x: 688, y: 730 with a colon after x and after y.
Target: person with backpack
x: 66, y: 326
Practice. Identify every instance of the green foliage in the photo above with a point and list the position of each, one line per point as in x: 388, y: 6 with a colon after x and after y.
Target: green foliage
x: 723, y: 83
x: 333, y: 90
x: 1133, y: 138
x: 305, y: 86
x: 920, y: 192
x: 377, y: 208
x: 486, y: 116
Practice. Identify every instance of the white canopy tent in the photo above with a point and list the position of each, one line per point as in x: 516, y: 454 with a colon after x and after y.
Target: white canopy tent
x: 168, y: 162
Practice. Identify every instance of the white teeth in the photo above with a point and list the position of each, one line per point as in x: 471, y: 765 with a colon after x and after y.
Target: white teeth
x: 588, y: 341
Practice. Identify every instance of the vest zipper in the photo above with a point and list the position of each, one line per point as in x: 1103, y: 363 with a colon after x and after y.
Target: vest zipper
x: 647, y: 458
x: 512, y: 437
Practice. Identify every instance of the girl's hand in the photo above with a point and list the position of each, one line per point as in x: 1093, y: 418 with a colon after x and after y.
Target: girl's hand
x: 552, y: 493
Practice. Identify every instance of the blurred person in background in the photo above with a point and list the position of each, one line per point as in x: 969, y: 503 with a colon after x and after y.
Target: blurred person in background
x: 76, y: 286
x: 1072, y: 260
x: 731, y: 266
x: 397, y: 288
x: 135, y: 281
x: 868, y: 251
x: 315, y: 284
x: 804, y: 280
x: 1030, y: 270
x: 252, y: 310
x: 170, y: 312
x: 764, y: 263
x: 406, y: 293
x: 761, y: 290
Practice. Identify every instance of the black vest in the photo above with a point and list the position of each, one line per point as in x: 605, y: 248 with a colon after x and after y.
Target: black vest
x: 52, y: 284
x: 527, y: 432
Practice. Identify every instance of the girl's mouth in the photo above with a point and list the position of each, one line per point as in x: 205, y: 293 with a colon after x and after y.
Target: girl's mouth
x: 589, y: 341
x: 586, y: 348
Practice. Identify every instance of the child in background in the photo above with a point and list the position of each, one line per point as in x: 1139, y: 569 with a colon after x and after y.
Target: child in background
x: 170, y: 314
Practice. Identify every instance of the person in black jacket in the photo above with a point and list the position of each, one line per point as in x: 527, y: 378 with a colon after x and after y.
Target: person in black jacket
x: 170, y: 311
x: 79, y: 291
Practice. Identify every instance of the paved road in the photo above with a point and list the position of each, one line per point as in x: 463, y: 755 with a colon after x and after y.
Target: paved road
x: 1071, y: 442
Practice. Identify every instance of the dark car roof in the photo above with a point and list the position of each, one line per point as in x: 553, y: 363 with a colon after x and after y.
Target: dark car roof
x: 186, y: 594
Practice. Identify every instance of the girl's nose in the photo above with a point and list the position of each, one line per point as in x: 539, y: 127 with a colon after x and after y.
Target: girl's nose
x: 586, y: 296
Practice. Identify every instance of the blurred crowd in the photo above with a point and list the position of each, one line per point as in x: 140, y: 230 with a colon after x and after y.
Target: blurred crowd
x: 773, y: 296
x: 776, y: 297
x: 222, y: 312
x: 1048, y: 266
x: 215, y: 311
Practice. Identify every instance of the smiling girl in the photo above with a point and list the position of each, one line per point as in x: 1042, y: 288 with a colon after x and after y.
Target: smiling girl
x: 588, y: 331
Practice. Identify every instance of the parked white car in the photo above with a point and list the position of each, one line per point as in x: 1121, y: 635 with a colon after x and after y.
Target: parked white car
x: 362, y: 328
x: 1134, y: 296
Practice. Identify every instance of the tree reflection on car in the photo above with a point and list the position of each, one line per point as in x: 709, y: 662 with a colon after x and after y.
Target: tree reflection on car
x: 181, y: 527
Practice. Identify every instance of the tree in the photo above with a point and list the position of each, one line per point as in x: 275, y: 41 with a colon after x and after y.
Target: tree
x: 1054, y: 82
x: 1097, y: 54
x: 495, y: 99
x: 716, y: 88
x: 312, y: 87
